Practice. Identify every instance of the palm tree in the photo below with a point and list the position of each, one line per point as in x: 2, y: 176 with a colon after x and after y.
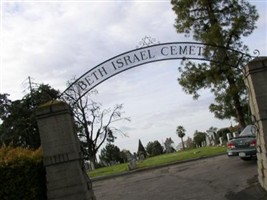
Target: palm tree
x: 180, y: 131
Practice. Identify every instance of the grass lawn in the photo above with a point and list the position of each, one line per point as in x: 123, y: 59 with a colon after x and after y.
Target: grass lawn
x: 160, y: 160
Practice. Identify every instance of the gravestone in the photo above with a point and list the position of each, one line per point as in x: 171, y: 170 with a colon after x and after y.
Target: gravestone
x: 208, y: 141
x: 221, y: 141
x: 132, y: 164
x: 229, y: 136
x: 235, y: 134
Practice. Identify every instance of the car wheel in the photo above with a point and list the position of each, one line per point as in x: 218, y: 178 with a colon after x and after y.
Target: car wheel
x: 245, y: 158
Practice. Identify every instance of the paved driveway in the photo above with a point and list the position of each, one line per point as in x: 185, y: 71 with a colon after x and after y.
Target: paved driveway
x: 217, y: 178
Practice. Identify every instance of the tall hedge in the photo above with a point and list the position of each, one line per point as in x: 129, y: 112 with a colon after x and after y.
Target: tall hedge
x: 22, y: 175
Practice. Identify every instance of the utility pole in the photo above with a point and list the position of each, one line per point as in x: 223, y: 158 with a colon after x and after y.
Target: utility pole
x: 31, y: 90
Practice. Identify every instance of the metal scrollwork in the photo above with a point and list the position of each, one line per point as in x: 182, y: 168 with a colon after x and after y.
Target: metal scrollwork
x: 147, y: 41
x: 256, y: 53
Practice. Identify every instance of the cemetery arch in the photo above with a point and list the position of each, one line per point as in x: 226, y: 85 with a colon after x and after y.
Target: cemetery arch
x: 66, y: 175
x: 144, y: 55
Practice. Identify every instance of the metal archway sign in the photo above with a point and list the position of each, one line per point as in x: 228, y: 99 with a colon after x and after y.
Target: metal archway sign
x: 141, y: 56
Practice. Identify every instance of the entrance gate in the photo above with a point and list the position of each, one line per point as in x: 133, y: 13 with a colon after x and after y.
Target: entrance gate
x: 65, y: 172
x: 150, y: 54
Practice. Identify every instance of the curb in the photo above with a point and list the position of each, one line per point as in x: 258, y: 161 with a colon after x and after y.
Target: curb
x: 100, y: 178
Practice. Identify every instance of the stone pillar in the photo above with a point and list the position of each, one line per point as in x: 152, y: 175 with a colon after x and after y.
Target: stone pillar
x: 256, y: 82
x: 65, y: 173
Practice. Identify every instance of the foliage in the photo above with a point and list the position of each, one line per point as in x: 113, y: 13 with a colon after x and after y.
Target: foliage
x: 161, y: 160
x: 199, y: 137
x: 154, y: 148
x: 110, y: 154
x: 180, y: 131
x: 22, y: 174
x: 94, y: 123
x: 19, y: 125
x: 141, y: 150
x: 219, y: 23
x: 212, y: 129
x: 40, y: 95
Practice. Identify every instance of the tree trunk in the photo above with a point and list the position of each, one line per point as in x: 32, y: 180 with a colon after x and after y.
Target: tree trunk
x: 182, y: 142
x: 92, y: 155
x: 92, y: 162
x: 231, y: 81
x: 239, y: 113
x: 237, y: 104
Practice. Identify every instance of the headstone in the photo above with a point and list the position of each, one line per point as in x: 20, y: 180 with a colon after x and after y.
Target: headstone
x: 221, y: 141
x: 129, y: 156
x: 208, y: 142
x: 142, y: 157
x: 168, y: 145
x: 212, y: 138
x: 235, y: 134
x: 132, y: 164
x: 135, y: 156
x: 229, y: 136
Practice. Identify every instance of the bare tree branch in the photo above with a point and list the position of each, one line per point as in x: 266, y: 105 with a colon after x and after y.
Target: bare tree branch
x: 93, y: 122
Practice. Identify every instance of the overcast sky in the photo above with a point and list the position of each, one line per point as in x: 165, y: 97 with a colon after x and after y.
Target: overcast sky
x: 53, y: 41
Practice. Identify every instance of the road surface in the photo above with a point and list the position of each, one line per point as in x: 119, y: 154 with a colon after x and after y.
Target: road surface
x: 217, y: 178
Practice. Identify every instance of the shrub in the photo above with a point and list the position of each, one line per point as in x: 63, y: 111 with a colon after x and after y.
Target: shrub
x: 22, y: 174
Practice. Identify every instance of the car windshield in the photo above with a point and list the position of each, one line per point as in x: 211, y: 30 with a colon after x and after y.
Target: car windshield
x: 250, y: 130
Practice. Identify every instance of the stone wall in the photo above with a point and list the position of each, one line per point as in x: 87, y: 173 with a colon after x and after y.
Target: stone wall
x: 65, y: 173
x: 256, y: 81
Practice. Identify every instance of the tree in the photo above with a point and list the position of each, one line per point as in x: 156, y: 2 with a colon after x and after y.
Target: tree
x: 110, y: 154
x: 19, y: 125
x: 180, y: 131
x: 141, y: 150
x: 154, y: 148
x: 220, y: 23
x: 5, y: 104
x: 199, y: 138
x: 212, y: 130
x: 94, y: 123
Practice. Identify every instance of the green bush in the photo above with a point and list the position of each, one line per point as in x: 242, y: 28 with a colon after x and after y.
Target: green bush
x: 22, y: 174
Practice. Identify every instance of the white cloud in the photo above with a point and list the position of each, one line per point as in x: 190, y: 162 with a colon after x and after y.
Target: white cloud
x: 53, y: 42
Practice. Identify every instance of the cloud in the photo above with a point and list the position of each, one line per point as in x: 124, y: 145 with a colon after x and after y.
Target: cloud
x: 53, y: 42
x: 56, y: 41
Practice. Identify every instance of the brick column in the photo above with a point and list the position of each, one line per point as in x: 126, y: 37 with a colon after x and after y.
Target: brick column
x: 65, y: 173
x: 256, y: 81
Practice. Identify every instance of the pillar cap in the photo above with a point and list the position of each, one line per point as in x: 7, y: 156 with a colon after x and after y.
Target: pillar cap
x: 52, y: 107
x: 52, y: 102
